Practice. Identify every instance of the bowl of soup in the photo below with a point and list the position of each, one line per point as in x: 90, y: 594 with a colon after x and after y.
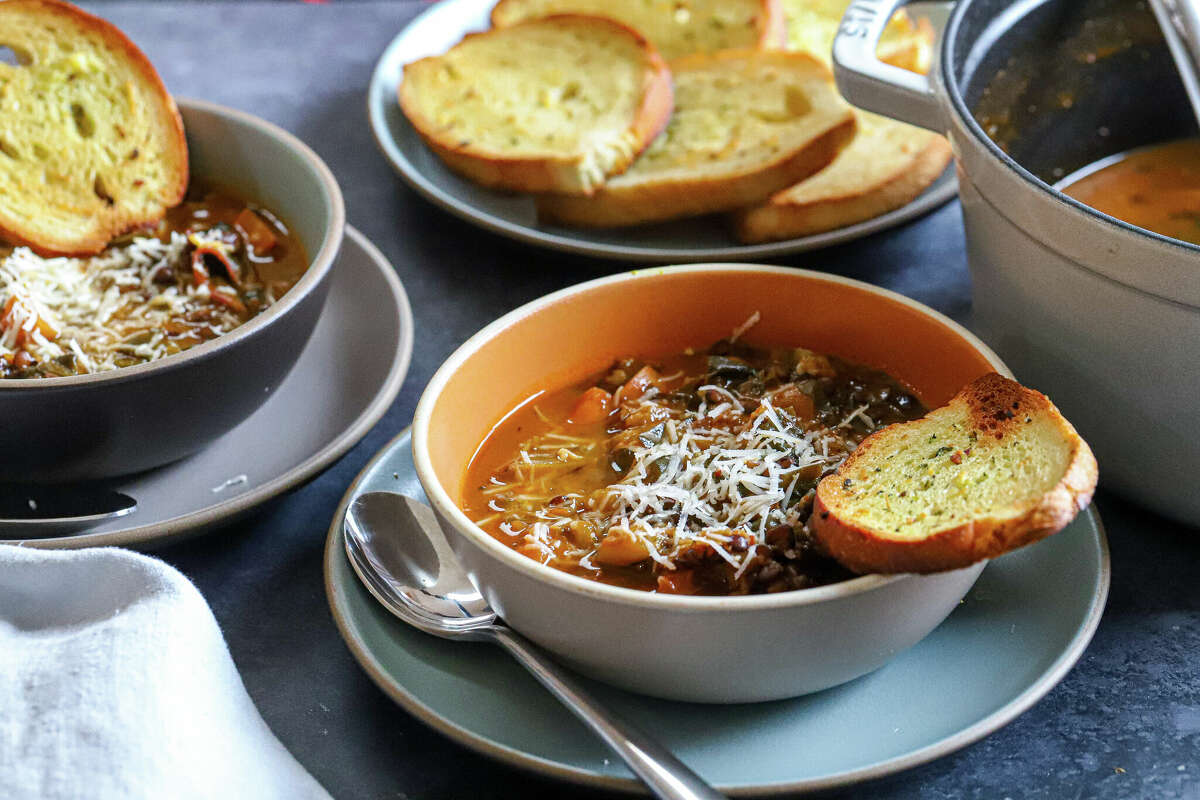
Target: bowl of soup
x: 1078, y: 175
x: 171, y: 336
x: 625, y: 469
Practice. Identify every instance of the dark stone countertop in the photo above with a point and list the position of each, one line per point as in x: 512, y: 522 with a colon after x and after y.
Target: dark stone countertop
x: 1124, y: 723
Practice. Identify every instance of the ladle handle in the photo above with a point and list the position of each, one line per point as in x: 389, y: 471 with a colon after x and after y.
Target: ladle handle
x: 665, y: 775
x: 1180, y: 23
x: 871, y: 84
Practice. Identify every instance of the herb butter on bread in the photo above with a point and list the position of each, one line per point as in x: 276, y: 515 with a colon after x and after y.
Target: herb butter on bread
x: 996, y: 468
x: 91, y: 144
x: 554, y: 104
x: 676, y: 27
x: 747, y: 123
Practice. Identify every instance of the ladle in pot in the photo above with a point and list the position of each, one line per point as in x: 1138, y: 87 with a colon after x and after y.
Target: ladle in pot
x: 1180, y: 23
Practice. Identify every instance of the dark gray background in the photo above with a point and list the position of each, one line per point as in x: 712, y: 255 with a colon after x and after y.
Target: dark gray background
x: 1124, y: 723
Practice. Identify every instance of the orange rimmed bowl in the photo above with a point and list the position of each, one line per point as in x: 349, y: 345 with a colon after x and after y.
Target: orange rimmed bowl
x: 703, y: 649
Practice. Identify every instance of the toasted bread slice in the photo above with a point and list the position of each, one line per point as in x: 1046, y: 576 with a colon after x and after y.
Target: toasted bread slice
x: 888, y: 163
x: 994, y: 469
x: 885, y: 166
x: 676, y: 27
x: 746, y: 124
x: 812, y: 24
x: 91, y: 144
x: 553, y: 104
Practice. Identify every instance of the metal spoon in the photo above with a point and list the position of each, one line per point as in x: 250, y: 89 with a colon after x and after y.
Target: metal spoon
x: 397, y: 549
x: 28, y: 512
x: 1180, y: 23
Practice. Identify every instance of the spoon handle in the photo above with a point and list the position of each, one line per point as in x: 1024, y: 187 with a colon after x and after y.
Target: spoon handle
x: 665, y: 775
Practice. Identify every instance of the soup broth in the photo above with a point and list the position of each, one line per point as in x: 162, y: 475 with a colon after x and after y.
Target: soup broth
x: 212, y: 264
x: 1157, y: 188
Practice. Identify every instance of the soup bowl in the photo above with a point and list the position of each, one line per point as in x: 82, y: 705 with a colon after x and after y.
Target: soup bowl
x: 705, y: 649
x: 134, y: 418
x: 1101, y: 315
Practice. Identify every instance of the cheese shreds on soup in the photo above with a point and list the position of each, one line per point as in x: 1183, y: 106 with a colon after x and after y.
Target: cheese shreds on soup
x: 690, y: 474
x: 212, y: 265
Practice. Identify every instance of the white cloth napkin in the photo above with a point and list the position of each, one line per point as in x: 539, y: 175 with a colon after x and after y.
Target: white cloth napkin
x: 115, y: 682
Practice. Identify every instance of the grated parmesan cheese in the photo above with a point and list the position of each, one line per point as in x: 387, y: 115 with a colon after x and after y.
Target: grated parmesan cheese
x: 704, y: 483
x: 106, y: 310
x: 709, y: 475
x: 750, y: 322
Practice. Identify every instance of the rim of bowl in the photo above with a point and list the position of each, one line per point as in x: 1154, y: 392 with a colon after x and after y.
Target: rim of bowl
x: 442, y: 501
x: 318, y: 265
x: 959, y: 104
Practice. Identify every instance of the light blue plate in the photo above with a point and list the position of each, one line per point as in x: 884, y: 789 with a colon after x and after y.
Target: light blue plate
x: 709, y: 238
x: 1018, y: 632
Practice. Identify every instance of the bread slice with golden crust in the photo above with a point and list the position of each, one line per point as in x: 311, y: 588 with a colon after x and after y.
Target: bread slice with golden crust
x: 91, y: 144
x: 885, y: 166
x: 553, y: 104
x: 676, y: 27
x: 810, y: 26
x: 888, y: 163
x: 996, y: 468
x: 746, y: 124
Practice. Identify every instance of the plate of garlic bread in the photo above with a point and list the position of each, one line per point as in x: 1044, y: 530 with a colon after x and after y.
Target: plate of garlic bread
x: 653, y: 131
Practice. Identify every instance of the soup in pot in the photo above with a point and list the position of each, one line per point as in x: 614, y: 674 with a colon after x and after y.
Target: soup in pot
x: 1156, y: 188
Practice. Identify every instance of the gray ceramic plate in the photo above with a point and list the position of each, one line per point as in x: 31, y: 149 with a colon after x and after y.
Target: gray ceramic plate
x: 338, y: 398
x: 1018, y: 632
x: 701, y: 239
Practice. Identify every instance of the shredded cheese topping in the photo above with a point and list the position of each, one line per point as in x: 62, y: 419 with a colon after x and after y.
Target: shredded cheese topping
x: 705, y: 482
x: 106, y: 311
x: 694, y: 482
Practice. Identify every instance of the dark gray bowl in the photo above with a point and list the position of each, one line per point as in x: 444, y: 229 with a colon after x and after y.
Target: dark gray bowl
x: 136, y: 418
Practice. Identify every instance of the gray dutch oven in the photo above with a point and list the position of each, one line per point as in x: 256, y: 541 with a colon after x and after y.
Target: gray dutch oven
x: 1102, y: 316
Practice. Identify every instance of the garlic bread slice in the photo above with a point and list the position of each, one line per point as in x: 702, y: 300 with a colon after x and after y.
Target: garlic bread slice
x: 885, y: 166
x: 996, y: 468
x: 676, y: 27
x: 747, y: 123
x: 554, y: 104
x: 91, y: 144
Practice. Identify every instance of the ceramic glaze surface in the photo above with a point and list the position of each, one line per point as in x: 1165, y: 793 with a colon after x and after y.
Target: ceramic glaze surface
x: 268, y: 454
x: 736, y: 654
x: 1013, y: 636
x: 102, y: 424
x: 677, y: 646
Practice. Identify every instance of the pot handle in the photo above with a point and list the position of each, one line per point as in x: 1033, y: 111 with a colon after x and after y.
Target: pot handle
x: 869, y: 83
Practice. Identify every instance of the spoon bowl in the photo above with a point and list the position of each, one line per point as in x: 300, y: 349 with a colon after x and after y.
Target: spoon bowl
x: 396, y: 548
x: 413, y: 574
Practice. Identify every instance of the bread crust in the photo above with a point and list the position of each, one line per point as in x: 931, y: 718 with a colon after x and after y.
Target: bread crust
x: 108, y: 226
x: 780, y: 218
x: 658, y: 200
x: 864, y: 550
x: 549, y: 172
x: 772, y: 25
x: 770, y: 21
